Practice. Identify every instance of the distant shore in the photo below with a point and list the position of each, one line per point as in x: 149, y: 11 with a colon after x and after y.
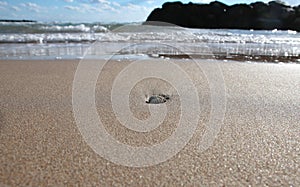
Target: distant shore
x: 21, y: 21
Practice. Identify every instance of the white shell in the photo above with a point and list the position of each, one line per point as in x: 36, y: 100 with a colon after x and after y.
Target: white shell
x: 157, y: 99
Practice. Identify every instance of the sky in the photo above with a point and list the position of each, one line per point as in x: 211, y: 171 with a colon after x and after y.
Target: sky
x: 104, y: 11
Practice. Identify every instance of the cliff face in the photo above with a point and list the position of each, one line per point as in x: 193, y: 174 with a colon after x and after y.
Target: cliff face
x: 259, y: 15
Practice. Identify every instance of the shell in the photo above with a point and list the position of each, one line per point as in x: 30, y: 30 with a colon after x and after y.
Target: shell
x: 157, y: 99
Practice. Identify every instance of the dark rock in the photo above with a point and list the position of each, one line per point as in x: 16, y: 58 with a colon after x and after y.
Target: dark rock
x: 258, y: 15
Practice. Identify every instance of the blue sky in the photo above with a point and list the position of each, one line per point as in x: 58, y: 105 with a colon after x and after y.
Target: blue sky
x: 90, y: 10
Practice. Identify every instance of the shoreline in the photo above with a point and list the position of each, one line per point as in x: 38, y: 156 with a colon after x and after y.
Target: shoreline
x: 217, y: 57
x: 238, y: 58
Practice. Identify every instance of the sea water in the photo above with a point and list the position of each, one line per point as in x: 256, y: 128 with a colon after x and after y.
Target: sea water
x: 74, y: 40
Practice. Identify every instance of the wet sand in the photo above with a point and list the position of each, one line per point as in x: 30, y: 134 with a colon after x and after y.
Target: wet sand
x: 258, y: 143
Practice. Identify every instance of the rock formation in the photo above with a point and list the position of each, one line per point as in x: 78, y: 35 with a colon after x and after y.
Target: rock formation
x: 258, y: 15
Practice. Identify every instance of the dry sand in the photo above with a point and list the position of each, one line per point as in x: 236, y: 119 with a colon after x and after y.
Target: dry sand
x: 259, y: 142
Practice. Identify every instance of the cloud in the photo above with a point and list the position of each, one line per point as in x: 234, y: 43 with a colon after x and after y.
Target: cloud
x: 72, y: 8
x: 3, y: 3
x: 32, y: 6
x: 15, y: 8
x: 292, y: 2
x: 101, y: 1
x: 135, y: 8
x: 132, y: 6
x: 83, y: 8
x: 89, y: 8
x: 150, y: 2
x: 115, y: 4
x: 108, y: 7
x: 103, y: 11
x: 100, y: 7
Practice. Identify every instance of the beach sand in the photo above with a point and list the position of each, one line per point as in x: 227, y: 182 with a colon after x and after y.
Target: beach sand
x: 258, y: 143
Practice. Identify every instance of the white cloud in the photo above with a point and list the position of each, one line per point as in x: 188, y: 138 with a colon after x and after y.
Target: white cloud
x: 32, y: 6
x: 132, y: 6
x: 108, y: 12
x: 15, y: 8
x: 3, y: 3
x: 136, y: 8
x: 90, y: 8
x: 150, y: 2
x: 69, y: 1
x: 83, y: 8
x: 107, y: 7
x: 115, y: 4
x: 101, y: 1
x: 100, y: 7
x: 292, y: 2
x: 72, y: 8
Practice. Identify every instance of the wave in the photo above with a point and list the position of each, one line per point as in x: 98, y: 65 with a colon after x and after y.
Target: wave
x: 222, y: 41
x: 81, y: 33
x: 36, y: 28
x: 90, y: 32
x: 74, y: 28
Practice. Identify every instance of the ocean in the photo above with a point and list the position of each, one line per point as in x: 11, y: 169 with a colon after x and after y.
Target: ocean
x: 36, y: 40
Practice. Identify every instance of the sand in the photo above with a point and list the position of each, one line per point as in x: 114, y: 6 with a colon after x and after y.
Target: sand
x: 258, y: 143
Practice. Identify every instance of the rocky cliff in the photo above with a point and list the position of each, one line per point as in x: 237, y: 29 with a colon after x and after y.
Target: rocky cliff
x: 258, y: 15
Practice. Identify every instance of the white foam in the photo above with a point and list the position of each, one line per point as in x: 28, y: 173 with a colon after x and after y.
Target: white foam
x: 189, y: 40
x: 75, y: 28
